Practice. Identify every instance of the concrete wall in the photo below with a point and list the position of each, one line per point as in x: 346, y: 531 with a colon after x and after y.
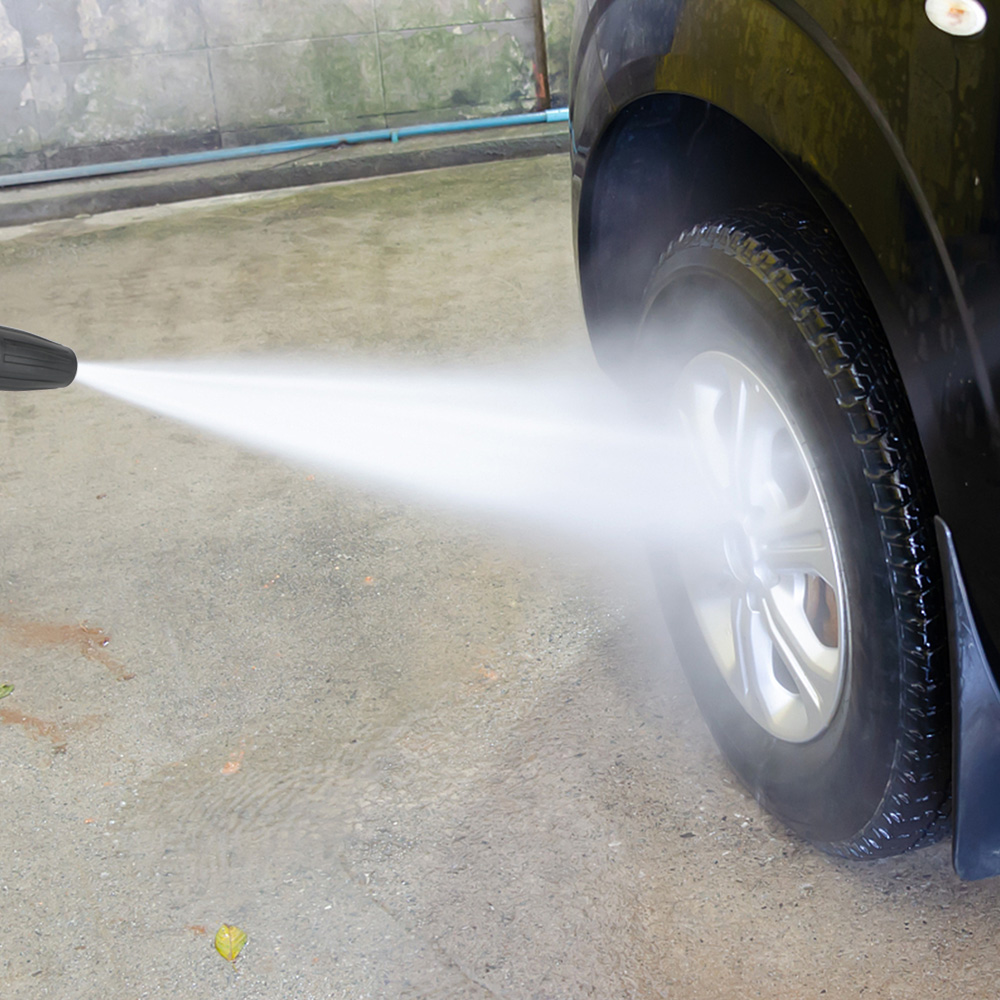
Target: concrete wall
x: 558, y: 24
x: 92, y: 80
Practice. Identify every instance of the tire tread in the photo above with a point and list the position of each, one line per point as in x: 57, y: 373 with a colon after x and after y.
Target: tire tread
x: 787, y: 252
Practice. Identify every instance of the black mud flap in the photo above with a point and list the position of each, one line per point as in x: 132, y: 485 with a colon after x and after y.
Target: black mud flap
x: 975, y: 732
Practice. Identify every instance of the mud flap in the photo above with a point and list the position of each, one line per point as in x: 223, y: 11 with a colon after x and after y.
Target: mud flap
x: 975, y: 731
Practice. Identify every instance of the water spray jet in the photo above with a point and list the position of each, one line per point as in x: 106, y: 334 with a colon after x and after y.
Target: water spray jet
x: 562, y: 452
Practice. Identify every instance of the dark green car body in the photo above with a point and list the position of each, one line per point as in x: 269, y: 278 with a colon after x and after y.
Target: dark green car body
x: 871, y: 117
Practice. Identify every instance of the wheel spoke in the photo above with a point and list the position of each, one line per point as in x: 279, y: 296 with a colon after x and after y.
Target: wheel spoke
x: 731, y: 424
x: 797, y: 540
x: 761, y: 693
x: 755, y: 423
x: 812, y: 665
x: 743, y: 642
x: 739, y: 399
x: 699, y: 405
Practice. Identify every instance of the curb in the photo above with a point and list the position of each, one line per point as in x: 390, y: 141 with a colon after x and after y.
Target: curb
x: 68, y: 199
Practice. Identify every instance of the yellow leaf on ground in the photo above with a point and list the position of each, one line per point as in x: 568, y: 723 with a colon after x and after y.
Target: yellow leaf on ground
x: 229, y: 942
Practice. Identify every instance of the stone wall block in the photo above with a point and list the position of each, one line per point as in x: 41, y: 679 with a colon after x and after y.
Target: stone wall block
x: 94, y: 101
x: 18, y: 119
x: 49, y: 31
x: 398, y: 15
x: 558, y: 16
x: 244, y: 22
x: 128, y: 27
x: 70, y: 30
x: 319, y: 86
x: 11, y: 41
x: 483, y: 69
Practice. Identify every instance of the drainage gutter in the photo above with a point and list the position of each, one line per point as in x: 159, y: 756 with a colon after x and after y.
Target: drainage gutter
x: 289, y: 146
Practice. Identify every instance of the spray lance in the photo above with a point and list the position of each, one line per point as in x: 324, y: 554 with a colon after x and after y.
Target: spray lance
x: 31, y: 362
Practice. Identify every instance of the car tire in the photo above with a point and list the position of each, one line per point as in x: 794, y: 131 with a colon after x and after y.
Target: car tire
x: 809, y: 618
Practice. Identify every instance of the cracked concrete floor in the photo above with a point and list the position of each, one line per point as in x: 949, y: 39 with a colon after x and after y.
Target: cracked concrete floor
x: 410, y: 756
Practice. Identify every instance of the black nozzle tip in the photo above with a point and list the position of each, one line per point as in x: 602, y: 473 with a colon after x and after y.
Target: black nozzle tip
x: 31, y: 362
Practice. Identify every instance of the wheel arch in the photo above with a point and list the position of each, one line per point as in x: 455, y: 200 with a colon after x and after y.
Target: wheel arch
x: 666, y: 162
x: 671, y: 160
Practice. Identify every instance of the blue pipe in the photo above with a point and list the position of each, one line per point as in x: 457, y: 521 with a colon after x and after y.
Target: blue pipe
x: 290, y: 146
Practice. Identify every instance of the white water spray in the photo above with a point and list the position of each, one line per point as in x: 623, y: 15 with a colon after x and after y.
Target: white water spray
x: 564, y: 452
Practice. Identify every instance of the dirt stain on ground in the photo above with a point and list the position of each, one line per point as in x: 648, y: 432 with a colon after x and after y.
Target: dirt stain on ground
x: 88, y: 639
x: 39, y: 728
x: 45, y: 728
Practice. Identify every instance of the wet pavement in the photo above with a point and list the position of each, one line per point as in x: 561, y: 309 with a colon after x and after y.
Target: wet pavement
x: 409, y: 754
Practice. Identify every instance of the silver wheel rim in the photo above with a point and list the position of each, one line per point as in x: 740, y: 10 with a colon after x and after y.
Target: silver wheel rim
x: 767, y: 590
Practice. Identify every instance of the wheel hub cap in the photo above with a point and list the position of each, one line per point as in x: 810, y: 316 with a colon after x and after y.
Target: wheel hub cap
x: 768, y: 593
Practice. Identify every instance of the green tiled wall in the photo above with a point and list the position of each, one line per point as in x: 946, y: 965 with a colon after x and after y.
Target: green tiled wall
x: 91, y: 80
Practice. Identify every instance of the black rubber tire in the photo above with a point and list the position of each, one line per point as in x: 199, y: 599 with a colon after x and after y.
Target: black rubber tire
x: 789, y: 304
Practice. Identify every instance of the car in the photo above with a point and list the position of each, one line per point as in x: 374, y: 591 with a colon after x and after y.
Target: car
x: 786, y: 230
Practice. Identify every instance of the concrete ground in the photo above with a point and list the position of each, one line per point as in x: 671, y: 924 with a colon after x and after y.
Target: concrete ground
x: 409, y: 755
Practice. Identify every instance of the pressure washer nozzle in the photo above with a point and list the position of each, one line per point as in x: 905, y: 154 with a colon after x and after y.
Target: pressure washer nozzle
x: 30, y: 362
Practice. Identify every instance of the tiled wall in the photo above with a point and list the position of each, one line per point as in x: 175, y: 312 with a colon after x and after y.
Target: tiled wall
x: 92, y: 80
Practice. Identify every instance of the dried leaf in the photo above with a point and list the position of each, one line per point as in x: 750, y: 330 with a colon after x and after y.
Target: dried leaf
x: 229, y: 942
x: 234, y: 763
x: 5, y: 689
